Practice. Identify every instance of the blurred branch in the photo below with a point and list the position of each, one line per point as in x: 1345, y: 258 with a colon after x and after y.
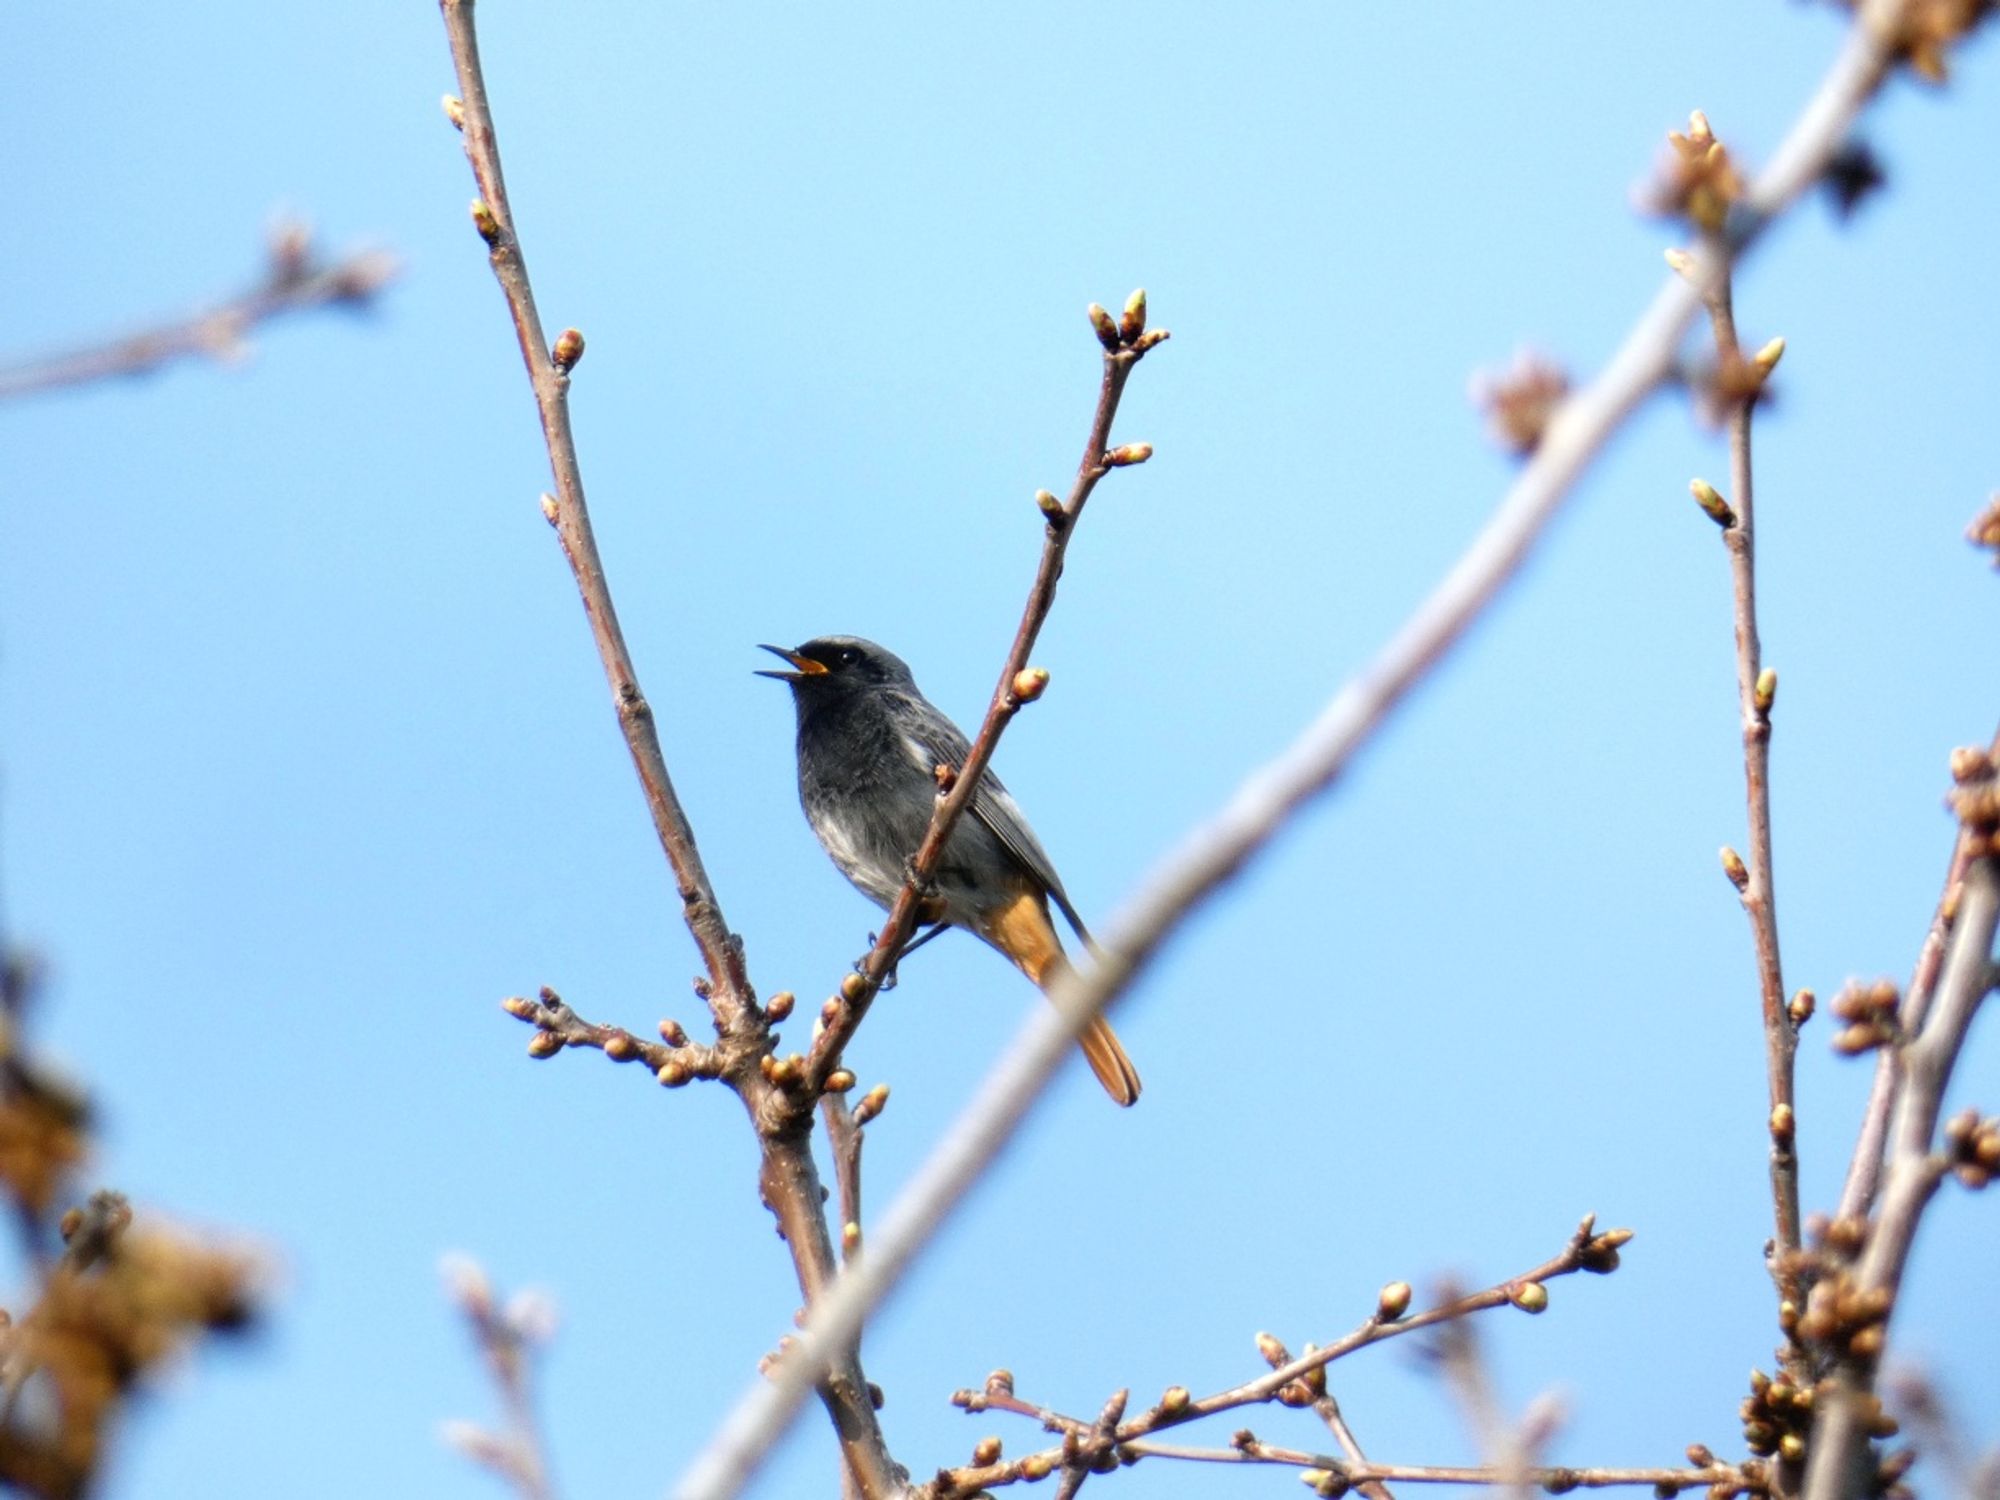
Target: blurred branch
x: 1126, y: 341
x: 1577, y: 431
x: 1850, y: 1308
x: 294, y: 281
x: 1864, y: 1172
x: 1738, y: 384
x: 508, y: 1340
x: 1292, y: 1381
x: 770, y: 1091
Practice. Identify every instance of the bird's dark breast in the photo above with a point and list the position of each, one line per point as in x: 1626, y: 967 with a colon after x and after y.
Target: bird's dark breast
x: 870, y: 805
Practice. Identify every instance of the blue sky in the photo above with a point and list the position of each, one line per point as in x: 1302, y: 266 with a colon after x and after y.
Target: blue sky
x: 306, y: 760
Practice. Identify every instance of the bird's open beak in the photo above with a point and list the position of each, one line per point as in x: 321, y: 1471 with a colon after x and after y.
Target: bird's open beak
x: 807, y: 667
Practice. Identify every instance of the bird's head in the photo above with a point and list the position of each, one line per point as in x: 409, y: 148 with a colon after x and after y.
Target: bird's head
x: 835, y: 665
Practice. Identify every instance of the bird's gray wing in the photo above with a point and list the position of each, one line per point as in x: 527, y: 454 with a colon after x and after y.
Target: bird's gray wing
x: 938, y: 740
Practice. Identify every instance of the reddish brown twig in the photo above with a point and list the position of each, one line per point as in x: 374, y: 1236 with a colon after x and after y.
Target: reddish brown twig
x: 769, y: 1087
x: 1125, y: 342
x: 294, y: 280
x: 1292, y: 1380
x: 1738, y: 382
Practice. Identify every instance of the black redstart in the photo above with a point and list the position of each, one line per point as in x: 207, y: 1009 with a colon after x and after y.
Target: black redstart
x: 869, y: 747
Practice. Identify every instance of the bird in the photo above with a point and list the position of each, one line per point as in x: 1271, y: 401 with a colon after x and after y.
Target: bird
x: 869, y: 748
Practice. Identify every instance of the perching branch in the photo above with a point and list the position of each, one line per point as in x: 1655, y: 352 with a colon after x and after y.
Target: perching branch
x: 294, y: 280
x: 1266, y: 802
x: 1125, y: 342
x: 1738, y: 383
x: 788, y: 1178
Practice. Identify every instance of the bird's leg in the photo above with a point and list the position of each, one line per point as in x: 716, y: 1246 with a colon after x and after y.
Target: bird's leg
x: 889, y: 979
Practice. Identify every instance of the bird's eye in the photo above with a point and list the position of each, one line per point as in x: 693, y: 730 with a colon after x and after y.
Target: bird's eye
x: 849, y: 656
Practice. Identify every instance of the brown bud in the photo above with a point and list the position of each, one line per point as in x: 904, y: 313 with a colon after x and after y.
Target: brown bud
x: 567, y: 351
x: 1679, y: 261
x: 1529, y: 1296
x: 1700, y: 1455
x: 1393, y: 1301
x: 1029, y: 684
x: 1970, y: 763
x: 672, y: 1034
x: 1275, y: 1354
x: 1107, y: 330
x: 871, y: 1104
x: 1128, y: 454
x: 1866, y: 1343
x: 544, y: 1044
x: 551, y: 512
x: 621, y: 1046
x: 1048, y: 505
x: 1151, y: 338
x: 1713, y: 505
x: 1766, y: 359
x: 850, y: 1237
x: 876, y: 1398
x: 1000, y: 1383
x: 1735, y: 869
x: 1175, y: 1401
x: 1783, y: 1124
x: 1295, y: 1393
x: 986, y: 1451
x: 1133, y: 322
x: 454, y: 111
x: 672, y: 1074
x: 520, y: 1007
x: 779, y: 1006
x: 1765, y: 693
x: 839, y: 1081
x: 852, y: 987
x: 484, y: 222
x: 1037, y: 1466
x: 1800, y: 1009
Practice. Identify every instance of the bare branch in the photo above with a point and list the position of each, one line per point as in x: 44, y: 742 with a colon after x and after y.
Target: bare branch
x: 508, y: 1339
x: 1868, y: 1291
x: 293, y: 281
x: 769, y: 1088
x: 1864, y: 1172
x: 1269, y: 799
x: 1738, y: 382
x: 1125, y: 344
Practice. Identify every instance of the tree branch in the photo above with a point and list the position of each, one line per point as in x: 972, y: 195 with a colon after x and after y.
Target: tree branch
x: 1863, y: 1299
x: 788, y: 1179
x: 1739, y: 383
x: 1125, y: 342
x: 1271, y: 797
x: 293, y: 281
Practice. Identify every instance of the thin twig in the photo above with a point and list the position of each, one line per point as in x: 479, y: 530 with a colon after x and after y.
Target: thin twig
x: 1272, y: 796
x: 1553, y: 1480
x: 1754, y: 693
x: 1125, y: 345
x: 507, y: 1339
x: 1587, y: 1250
x: 1864, y: 1171
x: 1913, y: 1171
x: 293, y: 281
x: 788, y: 1178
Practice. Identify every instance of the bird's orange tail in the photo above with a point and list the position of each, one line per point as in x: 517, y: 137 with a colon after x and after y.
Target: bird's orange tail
x: 1025, y: 934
